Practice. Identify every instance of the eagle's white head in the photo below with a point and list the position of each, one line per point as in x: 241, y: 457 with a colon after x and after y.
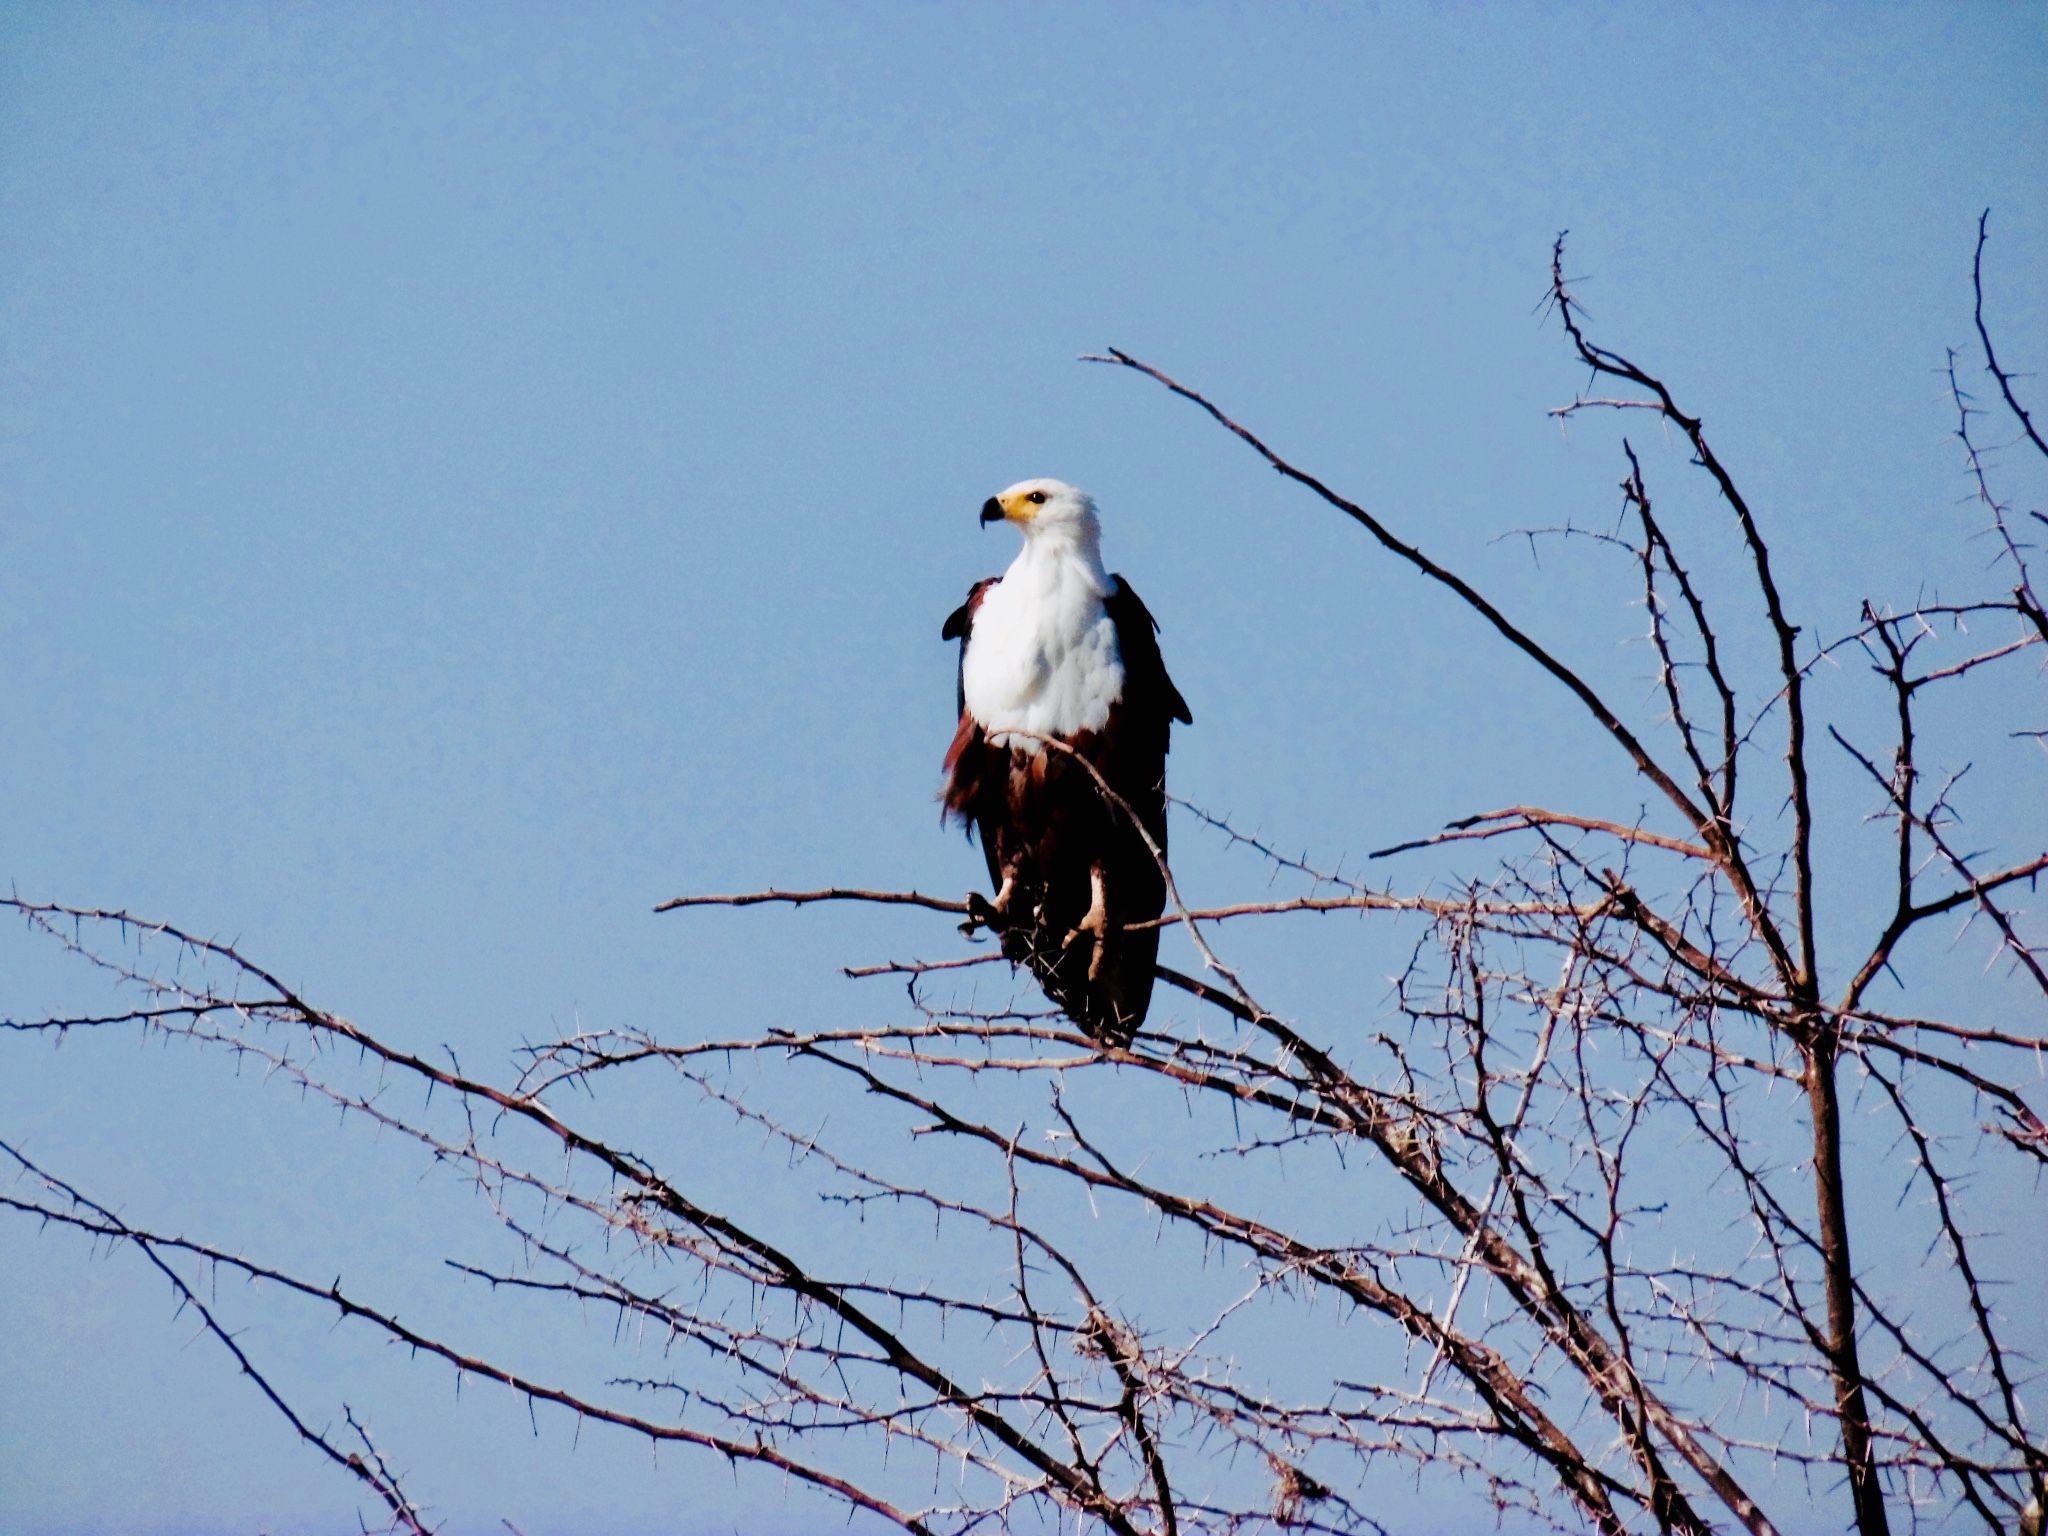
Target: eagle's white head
x: 1042, y: 508
x: 1042, y: 651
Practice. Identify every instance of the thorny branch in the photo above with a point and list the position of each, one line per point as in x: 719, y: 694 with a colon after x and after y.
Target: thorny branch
x: 1597, y: 1274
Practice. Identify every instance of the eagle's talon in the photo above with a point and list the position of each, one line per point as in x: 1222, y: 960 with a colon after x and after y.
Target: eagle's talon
x: 1096, y: 919
x: 1096, y: 926
x: 981, y: 915
x: 1096, y: 922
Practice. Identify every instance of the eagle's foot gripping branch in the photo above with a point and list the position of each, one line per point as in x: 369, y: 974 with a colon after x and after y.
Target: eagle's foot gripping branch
x: 995, y: 917
x: 980, y: 915
x: 1095, y: 923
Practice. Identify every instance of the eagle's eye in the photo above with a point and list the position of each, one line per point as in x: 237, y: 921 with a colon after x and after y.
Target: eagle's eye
x: 1036, y: 497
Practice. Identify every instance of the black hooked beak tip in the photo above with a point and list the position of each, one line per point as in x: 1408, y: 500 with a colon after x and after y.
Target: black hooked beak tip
x: 991, y: 512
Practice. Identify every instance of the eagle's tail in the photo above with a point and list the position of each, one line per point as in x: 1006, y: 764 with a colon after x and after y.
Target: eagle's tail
x: 1122, y: 991
x: 1109, y: 1006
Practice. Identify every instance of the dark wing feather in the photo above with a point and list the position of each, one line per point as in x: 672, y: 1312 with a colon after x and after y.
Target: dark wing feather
x: 1131, y: 753
x: 1137, y: 637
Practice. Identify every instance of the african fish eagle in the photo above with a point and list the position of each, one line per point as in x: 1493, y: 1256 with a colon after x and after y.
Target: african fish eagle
x: 1058, y: 647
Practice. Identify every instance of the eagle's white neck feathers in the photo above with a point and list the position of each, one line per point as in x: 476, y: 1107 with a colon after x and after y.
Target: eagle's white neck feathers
x: 1042, y: 654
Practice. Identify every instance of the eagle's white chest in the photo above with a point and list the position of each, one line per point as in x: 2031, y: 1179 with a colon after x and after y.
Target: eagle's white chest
x: 1042, y: 655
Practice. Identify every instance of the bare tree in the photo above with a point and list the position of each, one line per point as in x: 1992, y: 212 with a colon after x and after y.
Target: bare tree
x: 1588, y: 1178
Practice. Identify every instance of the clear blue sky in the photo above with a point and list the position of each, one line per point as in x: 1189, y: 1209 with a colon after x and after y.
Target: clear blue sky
x: 470, y: 472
